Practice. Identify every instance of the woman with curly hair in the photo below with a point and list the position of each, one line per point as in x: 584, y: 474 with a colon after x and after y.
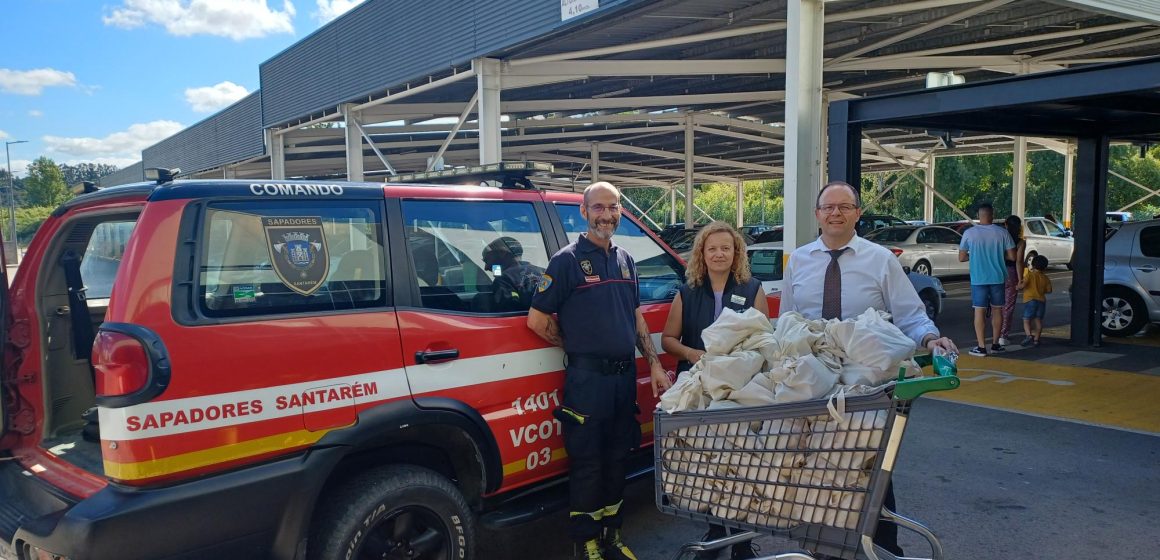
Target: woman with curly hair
x: 717, y: 278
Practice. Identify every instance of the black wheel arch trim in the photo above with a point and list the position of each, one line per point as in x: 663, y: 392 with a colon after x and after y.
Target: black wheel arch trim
x: 376, y: 426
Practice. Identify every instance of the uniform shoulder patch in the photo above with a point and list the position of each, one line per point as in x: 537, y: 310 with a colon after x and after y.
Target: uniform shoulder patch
x: 545, y: 282
x: 586, y: 266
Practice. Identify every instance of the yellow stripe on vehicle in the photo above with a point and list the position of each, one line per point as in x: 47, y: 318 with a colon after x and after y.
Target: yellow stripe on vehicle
x: 522, y: 464
x: 207, y: 457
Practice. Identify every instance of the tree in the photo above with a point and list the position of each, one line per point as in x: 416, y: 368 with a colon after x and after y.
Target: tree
x: 45, y: 184
x: 75, y: 174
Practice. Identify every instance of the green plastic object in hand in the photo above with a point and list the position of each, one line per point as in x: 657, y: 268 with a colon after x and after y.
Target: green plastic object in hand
x: 945, y: 376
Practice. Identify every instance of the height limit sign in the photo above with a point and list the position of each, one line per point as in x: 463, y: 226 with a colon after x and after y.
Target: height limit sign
x: 572, y: 8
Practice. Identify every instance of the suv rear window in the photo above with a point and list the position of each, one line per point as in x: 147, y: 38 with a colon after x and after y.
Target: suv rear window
x: 262, y: 259
x: 475, y: 256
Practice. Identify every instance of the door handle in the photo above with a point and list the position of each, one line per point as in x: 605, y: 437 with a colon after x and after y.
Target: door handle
x: 1146, y: 268
x: 436, y: 356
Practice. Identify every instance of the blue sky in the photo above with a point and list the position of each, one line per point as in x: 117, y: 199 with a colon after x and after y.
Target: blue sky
x: 99, y: 80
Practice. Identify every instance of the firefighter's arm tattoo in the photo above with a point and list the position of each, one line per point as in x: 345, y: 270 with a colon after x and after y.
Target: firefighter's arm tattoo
x: 545, y: 326
x: 644, y: 341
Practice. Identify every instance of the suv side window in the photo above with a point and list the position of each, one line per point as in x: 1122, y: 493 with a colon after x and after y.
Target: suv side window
x: 927, y: 236
x: 1150, y: 241
x: 659, y: 274
x: 103, y: 255
x: 946, y: 236
x: 475, y: 256
x: 1036, y: 227
x: 270, y: 258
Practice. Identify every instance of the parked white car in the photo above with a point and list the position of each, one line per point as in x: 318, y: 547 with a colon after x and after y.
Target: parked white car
x: 1131, y: 296
x: 767, y: 259
x: 927, y: 250
x: 1047, y: 238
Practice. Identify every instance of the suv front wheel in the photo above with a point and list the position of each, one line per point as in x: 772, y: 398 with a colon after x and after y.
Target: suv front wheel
x: 1123, y: 312
x: 398, y: 511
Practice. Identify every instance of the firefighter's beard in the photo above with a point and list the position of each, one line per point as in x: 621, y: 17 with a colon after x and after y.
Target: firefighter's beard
x: 602, y: 227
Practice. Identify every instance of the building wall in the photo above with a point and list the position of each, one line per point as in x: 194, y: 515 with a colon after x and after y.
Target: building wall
x: 231, y: 135
x: 385, y: 43
x: 133, y: 174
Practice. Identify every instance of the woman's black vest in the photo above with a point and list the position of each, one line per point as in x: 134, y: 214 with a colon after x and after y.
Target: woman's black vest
x: 697, y: 309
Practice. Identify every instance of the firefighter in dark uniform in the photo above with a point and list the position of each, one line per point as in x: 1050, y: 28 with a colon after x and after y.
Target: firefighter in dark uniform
x: 591, y: 288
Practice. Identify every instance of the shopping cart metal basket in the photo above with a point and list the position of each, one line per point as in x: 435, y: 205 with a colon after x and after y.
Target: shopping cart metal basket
x: 813, y: 472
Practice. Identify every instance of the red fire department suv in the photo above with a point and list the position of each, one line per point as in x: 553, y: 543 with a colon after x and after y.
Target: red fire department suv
x: 284, y: 369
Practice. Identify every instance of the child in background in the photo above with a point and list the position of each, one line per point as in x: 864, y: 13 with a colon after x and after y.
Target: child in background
x: 1036, y: 285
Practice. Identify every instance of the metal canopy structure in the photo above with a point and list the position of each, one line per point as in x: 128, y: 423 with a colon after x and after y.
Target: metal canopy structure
x: 1094, y: 105
x: 625, y: 86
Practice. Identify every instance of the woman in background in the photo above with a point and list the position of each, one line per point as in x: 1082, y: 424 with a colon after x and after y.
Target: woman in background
x: 717, y: 278
x: 1014, y: 282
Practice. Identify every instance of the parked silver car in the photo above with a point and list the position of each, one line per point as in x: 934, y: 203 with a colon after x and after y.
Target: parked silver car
x: 927, y: 250
x: 1131, y: 296
x: 767, y: 259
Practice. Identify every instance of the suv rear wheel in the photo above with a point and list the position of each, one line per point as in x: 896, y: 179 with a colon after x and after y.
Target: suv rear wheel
x: 1028, y: 258
x: 1123, y: 312
x: 398, y: 511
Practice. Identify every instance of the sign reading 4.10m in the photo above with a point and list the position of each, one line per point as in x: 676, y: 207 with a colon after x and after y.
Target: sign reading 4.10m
x: 572, y: 8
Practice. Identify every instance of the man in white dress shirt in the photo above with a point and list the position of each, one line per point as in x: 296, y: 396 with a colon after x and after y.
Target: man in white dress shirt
x: 840, y: 275
x: 870, y: 275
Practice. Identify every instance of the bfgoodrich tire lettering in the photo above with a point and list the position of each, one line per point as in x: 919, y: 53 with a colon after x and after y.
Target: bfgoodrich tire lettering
x: 398, y: 511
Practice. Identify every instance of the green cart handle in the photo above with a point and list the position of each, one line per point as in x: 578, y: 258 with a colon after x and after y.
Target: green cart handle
x: 945, y: 379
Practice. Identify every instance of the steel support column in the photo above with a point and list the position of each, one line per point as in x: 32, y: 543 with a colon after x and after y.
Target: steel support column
x: 689, y: 221
x: 594, y: 162
x: 1019, y: 178
x: 928, y: 194
x: 487, y: 71
x: 672, y: 205
x: 1068, y: 183
x: 1091, y: 183
x: 803, y: 121
x: 740, y: 203
x: 276, y: 147
x: 354, y: 150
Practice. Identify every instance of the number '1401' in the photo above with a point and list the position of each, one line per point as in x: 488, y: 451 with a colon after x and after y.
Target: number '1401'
x: 543, y: 400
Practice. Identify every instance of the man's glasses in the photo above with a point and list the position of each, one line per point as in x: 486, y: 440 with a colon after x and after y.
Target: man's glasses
x: 600, y: 208
x: 843, y: 208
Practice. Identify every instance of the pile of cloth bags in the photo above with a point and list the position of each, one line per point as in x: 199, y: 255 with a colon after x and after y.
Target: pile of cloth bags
x: 779, y: 472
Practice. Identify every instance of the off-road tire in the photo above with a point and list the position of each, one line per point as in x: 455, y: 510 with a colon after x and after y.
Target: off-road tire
x: 392, y: 508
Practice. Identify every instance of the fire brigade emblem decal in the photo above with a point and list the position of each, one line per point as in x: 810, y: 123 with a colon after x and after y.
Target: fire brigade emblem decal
x: 298, y: 251
x: 586, y: 266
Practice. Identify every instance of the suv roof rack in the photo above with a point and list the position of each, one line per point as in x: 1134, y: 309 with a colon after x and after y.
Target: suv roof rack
x: 509, y: 175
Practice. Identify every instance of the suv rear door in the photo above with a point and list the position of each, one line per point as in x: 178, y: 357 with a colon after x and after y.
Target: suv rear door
x: 465, y: 337
x: 3, y: 342
x: 1145, y: 262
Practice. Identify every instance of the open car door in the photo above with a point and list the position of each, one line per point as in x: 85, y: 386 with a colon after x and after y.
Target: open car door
x: 4, y: 323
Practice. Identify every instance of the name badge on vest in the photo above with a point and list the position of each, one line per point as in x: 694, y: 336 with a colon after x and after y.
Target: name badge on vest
x: 591, y: 279
x: 736, y: 299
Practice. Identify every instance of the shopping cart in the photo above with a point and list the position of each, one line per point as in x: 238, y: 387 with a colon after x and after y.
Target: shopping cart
x: 813, y: 472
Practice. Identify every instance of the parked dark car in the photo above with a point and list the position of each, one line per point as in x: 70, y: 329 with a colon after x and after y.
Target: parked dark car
x: 870, y: 222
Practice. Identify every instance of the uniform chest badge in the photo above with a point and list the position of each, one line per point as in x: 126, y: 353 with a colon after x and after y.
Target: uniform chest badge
x: 739, y: 300
x: 586, y: 266
x: 297, y: 251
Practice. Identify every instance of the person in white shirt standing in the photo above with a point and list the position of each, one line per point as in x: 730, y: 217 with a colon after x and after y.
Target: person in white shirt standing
x: 840, y: 276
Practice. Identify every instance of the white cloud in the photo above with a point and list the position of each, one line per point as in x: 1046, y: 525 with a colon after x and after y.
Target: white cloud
x: 211, y: 98
x: 236, y: 19
x: 35, y: 113
x: 33, y: 82
x: 19, y: 167
x: 116, y: 147
x: 330, y: 9
x: 3, y: 135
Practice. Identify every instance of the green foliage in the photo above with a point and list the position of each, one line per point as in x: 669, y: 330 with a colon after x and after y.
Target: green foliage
x: 45, y: 184
x: 28, y: 220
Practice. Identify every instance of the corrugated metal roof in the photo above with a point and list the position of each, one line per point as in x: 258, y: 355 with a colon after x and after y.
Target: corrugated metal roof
x: 1148, y: 10
x: 232, y: 135
x: 131, y: 174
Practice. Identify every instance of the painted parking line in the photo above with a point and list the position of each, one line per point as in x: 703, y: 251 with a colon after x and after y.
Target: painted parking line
x: 1147, y: 338
x: 1100, y: 397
